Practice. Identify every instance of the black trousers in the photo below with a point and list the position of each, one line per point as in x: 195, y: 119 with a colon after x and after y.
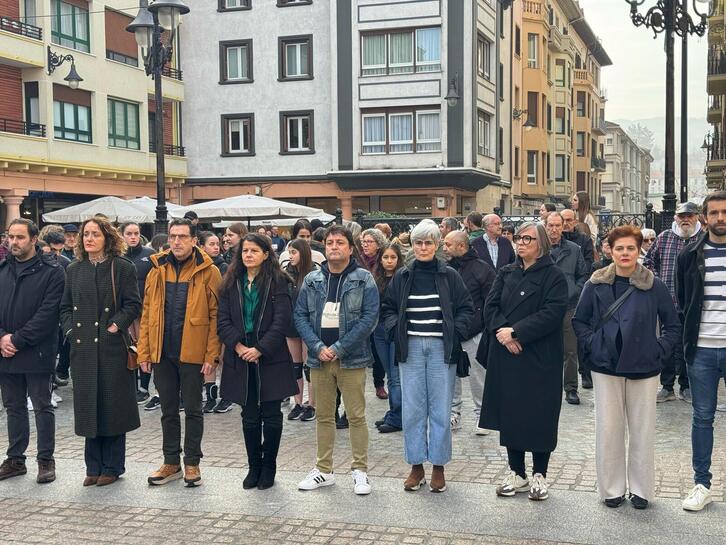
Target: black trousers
x: 173, y: 378
x: 541, y: 461
x: 16, y: 387
x: 143, y: 379
x: 675, y: 365
x: 106, y: 455
x: 255, y: 414
x: 379, y: 373
x: 64, y: 356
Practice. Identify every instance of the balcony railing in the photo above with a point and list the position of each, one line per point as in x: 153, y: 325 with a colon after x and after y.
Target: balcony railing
x: 598, y: 125
x: 716, y: 148
x: 21, y: 127
x: 714, y: 103
x: 170, y: 72
x: 169, y: 149
x: 18, y: 27
x: 533, y: 6
x: 598, y: 163
x: 716, y: 61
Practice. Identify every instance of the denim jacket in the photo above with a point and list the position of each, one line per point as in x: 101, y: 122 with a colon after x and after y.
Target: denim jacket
x: 358, y: 316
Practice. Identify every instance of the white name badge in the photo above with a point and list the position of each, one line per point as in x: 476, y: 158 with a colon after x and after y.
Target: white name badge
x: 331, y: 316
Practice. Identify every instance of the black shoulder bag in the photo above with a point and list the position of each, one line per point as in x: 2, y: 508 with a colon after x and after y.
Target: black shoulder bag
x: 613, y: 308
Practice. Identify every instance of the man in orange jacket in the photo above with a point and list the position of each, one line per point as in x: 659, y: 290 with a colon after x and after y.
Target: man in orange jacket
x: 178, y: 337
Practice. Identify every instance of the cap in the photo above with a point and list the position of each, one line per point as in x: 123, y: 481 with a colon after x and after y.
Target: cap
x: 70, y: 228
x: 191, y: 215
x: 688, y: 208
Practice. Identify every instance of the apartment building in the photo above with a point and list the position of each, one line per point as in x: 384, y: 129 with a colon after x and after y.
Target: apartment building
x: 563, y: 105
x: 626, y: 179
x: 715, y: 145
x: 61, y: 145
x: 344, y: 104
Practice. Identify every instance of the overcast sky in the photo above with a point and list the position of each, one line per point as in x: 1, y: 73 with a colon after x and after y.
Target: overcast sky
x: 635, y: 82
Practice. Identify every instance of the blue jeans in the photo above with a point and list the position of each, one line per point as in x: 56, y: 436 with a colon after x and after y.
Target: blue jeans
x: 709, y: 365
x: 427, y: 387
x: 387, y: 353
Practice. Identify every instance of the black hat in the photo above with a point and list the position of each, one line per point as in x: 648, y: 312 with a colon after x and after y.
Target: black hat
x: 688, y: 208
x: 191, y: 215
x: 70, y: 228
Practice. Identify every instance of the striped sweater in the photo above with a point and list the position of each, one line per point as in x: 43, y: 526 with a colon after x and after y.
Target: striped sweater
x: 712, y: 332
x: 424, y: 317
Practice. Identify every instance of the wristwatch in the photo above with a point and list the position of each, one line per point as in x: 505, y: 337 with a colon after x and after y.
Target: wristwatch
x: 514, y: 334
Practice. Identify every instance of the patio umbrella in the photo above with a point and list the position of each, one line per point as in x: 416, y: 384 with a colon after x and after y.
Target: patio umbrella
x: 115, y: 209
x: 149, y: 204
x: 247, y: 208
x: 285, y: 222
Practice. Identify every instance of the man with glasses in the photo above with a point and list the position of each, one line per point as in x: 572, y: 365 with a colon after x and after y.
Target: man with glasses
x: 178, y: 336
x: 581, y: 239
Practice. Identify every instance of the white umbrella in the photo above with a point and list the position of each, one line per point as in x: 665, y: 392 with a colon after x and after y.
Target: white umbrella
x: 286, y: 222
x: 149, y: 204
x: 246, y: 208
x: 115, y: 209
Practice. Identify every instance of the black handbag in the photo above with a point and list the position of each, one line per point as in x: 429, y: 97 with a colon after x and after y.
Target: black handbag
x: 462, y: 364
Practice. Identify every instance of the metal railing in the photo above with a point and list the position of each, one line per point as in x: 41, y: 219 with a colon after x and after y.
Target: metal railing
x: 598, y: 163
x: 18, y: 27
x: 21, y: 127
x: 169, y: 149
x: 714, y: 103
x: 716, y: 148
x: 599, y: 125
x: 170, y: 72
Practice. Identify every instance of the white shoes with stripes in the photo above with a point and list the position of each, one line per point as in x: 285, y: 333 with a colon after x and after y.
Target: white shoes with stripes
x: 316, y: 479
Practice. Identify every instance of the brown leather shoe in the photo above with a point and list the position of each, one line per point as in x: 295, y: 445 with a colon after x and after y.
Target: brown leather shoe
x: 165, y: 474
x: 46, y: 471
x: 192, y: 476
x: 105, y: 480
x: 12, y: 468
x: 90, y: 480
x: 438, y: 483
x: 416, y: 478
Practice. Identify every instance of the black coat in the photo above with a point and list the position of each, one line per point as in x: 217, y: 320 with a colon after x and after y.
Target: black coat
x: 505, y: 256
x: 478, y: 278
x: 272, y: 318
x: 104, y: 390
x: 585, y: 244
x: 139, y: 256
x: 455, y: 302
x: 690, y: 278
x: 29, y: 312
x: 523, y: 393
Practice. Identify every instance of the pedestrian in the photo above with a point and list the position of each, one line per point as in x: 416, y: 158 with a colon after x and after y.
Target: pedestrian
x: 385, y: 229
x: 100, y: 302
x: 508, y: 230
x: 581, y: 205
x: 700, y: 285
x: 492, y: 248
x: 649, y: 236
x: 606, y: 256
x: 569, y: 232
x: 4, y: 249
x: 616, y: 323
x: 523, y: 319
x: 447, y: 225
x: 179, y: 339
x: 209, y: 242
x: 70, y: 233
x: 544, y: 210
x: 278, y: 243
x: 192, y: 216
x: 427, y: 310
x: 478, y: 277
x: 303, y: 230
x: 56, y: 243
x: 254, y: 315
x: 32, y: 286
x: 473, y: 225
x: 390, y: 261
x: 568, y: 258
x: 298, y: 267
x: 232, y: 236
x: 335, y: 314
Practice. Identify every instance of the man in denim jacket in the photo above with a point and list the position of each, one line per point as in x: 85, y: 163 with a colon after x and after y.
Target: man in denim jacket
x: 336, y: 312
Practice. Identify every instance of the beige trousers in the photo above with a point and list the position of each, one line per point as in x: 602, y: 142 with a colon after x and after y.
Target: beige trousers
x: 622, y: 404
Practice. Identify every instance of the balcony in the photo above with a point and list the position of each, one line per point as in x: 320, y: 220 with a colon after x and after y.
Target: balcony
x: 170, y: 72
x: 21, y: 44
x: 598, y: 126
x: 598, y: 164
x: 715, y: 109
x: 555, y: 41
x: 716, y: 81
x: 584, y: 77
x: 21, y: 127
x: 169, y: 149
x: 535, y: 9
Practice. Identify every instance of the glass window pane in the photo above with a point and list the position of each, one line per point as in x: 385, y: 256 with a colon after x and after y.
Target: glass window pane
x: 293, y: 133
x: 57, y: 114
x: 233, y: 63
x: 234, y: 136
x: 305, y: 122
x: 428, y: 45
x: 304, y: 59
x: 84, y: 114
x: 132, y: 121
x: 428, y: 132
x: 401, y: 53
x: 53, y: 20
x: 291, y: 64
x: 374, y: 134
x: 119, y: 119
x: 69, y: 118
x: 401, y: 133
x: 66, y: 19
x: 374, y: 54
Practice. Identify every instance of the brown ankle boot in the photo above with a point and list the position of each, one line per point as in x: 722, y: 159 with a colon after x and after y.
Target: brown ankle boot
x: 438, y: 483
x: 416, y: 478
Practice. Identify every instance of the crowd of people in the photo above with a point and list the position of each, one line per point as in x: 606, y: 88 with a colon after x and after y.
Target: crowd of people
x: 529, y: 314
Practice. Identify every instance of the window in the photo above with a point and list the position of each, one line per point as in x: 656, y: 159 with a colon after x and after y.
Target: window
x: 531, y: 167
x: 234, y: 5
x: 120, y: 57
x: 400, y: 133
x: 238, y: 134
x: 401, y: 52
x: 517, y: 41
x: 560, y: 72
x: 235, y: 61
x: 123, y: 124
x: 533, y: 108
x: 581, y: 144
x: 374, y: 134
x: 396, y: 131
x: 560, y: 120
x: 296, y: 132
x: 581, y: 100
x: 516, y: 162
x: 549, y: 117
x: 69, y: 26
x: 484, y: 57
x: 559, y: 168
x: 71, y: 121
x: 428, y: 131
x: 120, y: 45
x: 532, y: 51
x: 296, y: 57
x: 485, y: 131
x: 285, y: 3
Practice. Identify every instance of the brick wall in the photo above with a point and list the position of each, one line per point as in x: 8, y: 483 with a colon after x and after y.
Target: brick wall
x: 10, y: 8
x: 168, y: 125
x: 11, y: 92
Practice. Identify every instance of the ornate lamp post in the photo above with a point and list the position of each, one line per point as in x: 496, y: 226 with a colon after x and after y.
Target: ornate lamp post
x: 148, y: 27
x: 671, y: 17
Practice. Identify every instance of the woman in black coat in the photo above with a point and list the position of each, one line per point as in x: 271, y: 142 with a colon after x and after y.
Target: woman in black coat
x: 104, y: 390
x: 523, y: 390
x: 253, y: 317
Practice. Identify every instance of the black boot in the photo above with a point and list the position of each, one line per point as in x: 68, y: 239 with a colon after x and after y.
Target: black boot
x: 253, y: 440
x: 270, y: 447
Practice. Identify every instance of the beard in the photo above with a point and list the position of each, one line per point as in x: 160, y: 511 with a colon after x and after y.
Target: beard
x: 687, y: 230
x: 719, y: 229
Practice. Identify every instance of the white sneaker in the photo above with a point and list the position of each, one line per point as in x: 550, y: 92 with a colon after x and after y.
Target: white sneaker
x: 512, y: 484
x: 55, y: 398
x: 699, y: 498
x: 361, y: 485
x: 30, y: 405
x: 455, y: 422
x: 538, y: 491
x: 480, y: 431
x: 316, y: 479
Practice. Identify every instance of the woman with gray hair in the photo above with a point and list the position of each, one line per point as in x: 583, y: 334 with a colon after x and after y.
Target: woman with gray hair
x: 648, y: 240
x: 523, y: 388
x: 373, y: 242
x: 426, y: 309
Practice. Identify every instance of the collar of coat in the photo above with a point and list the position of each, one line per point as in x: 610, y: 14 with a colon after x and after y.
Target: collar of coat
x: 201, y: 259
x: 642, y: 278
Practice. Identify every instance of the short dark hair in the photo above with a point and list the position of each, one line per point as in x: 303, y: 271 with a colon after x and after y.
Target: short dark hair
x: 713, y: 196
x: 55, y: 237
x: 475, y: 218
x: 127, y: 224
x: 625, y: 231
x: 302, y: 224
x: 184, y: 221
x: 191, y: 215
x: 339, y: 230
x: 32, y: 227
x: 550, y: 207
x: 319, y: 234
x: 508, y: 228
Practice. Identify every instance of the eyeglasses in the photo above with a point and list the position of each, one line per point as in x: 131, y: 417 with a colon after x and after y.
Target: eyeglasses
x: 367, y: 242
x: 179, y: 237
x: 649, y: 240
x: 524, y: 239
x: 420, y: 243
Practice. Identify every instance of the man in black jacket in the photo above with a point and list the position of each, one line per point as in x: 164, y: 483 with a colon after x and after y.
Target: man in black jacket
x: 478, y: 277
x: 582, y: 240
x: 32, y: 287
x: 495, y: 250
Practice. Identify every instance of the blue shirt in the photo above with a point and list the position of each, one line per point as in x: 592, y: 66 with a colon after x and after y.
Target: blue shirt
x: 493, y: 248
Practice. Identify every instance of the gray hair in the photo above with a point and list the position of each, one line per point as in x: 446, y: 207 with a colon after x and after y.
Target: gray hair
x: 426, y: 229
x: 486, y: 219
x: 555, y: 214
x: 543, y: 240
x: 451, y: 223
x: 648, y: 233
x: 354, y: 229
x: 378, y: 236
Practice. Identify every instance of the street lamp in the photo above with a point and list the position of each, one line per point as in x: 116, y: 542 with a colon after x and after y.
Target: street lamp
x: 148, y: 28
x: 55, y: 60
x: 452, y: 97
x: 671, y: 17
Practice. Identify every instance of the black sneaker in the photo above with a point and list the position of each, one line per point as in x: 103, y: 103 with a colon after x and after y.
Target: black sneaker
x: 223, y: 406
x: 615, y: 502
x: 296, y: 412
x: 142, y: 397
x: 308, y: 414
x: 59, y: 381
x: 209, y: 405
x: 153, y: 404
x: 12, y: 468
x: 638, y: 502
x: 342, y: 423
